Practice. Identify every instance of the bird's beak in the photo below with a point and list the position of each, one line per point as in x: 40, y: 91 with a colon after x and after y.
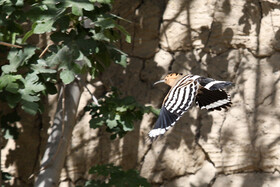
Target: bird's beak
x: 160, y: 81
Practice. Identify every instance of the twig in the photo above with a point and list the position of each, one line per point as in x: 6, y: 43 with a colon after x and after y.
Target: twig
x: 92, y: 96
x: 10, y: 45
x: 45, y: 50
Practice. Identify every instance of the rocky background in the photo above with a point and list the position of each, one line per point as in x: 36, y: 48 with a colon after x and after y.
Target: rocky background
x: 231, y: 40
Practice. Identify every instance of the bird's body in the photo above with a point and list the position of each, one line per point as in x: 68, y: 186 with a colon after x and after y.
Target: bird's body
x: 186, y: 89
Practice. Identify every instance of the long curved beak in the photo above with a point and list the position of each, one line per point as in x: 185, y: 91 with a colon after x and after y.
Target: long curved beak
x: 160, y: 81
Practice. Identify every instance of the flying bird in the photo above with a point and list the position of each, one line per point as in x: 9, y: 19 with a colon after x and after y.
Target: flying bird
x: 207, y: 93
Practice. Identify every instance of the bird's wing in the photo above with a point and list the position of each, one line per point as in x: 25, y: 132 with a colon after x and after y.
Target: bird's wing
x: 212, y: 84
x: 211, y: 96
x: 177, y: 102
x: 212, y: 99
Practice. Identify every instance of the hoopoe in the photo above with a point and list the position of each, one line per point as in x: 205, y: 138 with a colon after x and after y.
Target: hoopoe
x: 185, y: 89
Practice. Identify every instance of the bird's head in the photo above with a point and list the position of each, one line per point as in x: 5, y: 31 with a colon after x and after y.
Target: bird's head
x: 170, y: 79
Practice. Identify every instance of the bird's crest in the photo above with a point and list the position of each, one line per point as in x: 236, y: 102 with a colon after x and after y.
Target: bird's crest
x: 172, y: 78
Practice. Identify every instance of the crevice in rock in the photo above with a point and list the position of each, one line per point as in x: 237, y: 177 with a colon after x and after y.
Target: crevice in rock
x: 207, y: 157
x: 220, y: 133
x: 211, y: 25
x: 237, y: 66
x: 40, y: 139
x: 79, y: 179
x: 261, y: 12
x: 134, y: 24
x: 68, y: 179
x: 186, y: 174
x: 139, y: 5
x: 174, y: 21
x: 258, y: 56
x: 276, y: 171
x: 142, y: 69
x: 145, y: 154
x: 144, y: 58
x: 211, y: 183
x: 166, y: 38
x: 264, y: 99
x: 197, y: 137
x: 258, y: 29
x: 171, y: 62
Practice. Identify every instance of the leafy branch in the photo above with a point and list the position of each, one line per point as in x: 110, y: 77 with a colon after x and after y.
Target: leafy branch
x: 82, y: 40
x: 117, y: 113
x: 110, y: 175
x: 82, y: 35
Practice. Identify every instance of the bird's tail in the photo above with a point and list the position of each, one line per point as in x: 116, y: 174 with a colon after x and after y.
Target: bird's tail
x: 165, y: 120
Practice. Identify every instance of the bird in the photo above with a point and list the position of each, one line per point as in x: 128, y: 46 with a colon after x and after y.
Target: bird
x: 185, y: 90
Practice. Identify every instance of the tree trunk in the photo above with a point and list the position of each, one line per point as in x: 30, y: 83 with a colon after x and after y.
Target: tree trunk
x: 60, y: 136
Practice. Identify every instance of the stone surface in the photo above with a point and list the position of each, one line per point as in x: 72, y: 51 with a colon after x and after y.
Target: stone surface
x: 237, y: 41
x: 201, y: 178
x: 247, y: 135
x: 248, y: 179
x: 174, y: 154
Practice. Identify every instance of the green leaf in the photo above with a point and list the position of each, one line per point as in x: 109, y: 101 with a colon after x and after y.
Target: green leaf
x: 87, y: 46
x: 153, y: 110
x: 32, y: 83
x: 13, y: 99
x: 111, y: 123
x: 118, y: 56
x: 67, y: 76
x: 127, y: 35
x: 30, y: 94
x: 122, y: 61
x: 44, y: 16
x: 41, y: 67
x: 18, y: 58
x: 29, y: 107
x: 44, y: 26
x: 105, y: 22
x: 116, y: 176
x: 63, y: 58
x: 121, y: 109
x: 103, y: 1
x: 96, y: 123
x: 9, y: 82
x: 128, y: 124
x: 77, y: 10
x: 81, y: 4
x: 120, y: 18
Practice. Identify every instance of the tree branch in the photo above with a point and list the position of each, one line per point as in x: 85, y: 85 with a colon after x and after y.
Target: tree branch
x: 61, y: 133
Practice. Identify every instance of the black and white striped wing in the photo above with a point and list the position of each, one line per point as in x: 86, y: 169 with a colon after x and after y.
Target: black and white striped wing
x: 212, y: 84
x: 211, y: 96
x: 212, y: 100
x: 178, y: 101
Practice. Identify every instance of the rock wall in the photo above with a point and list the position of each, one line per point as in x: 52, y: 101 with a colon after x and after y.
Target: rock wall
x: 238, y: 41
x: 223, y: 39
